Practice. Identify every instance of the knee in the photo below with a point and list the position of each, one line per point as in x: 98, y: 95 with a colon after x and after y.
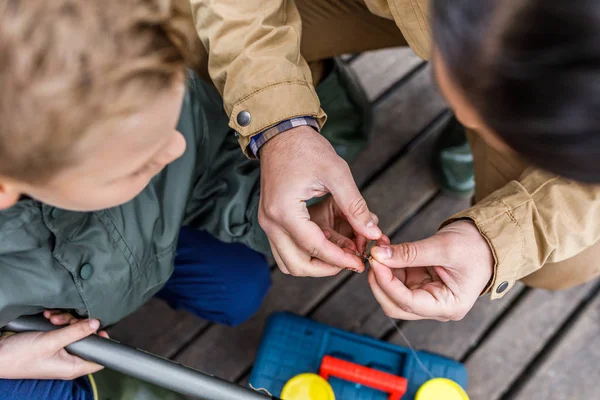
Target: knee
x: 246, y: 293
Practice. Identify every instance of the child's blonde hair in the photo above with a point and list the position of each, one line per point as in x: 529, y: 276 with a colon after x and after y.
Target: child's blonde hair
x: 67, y: 65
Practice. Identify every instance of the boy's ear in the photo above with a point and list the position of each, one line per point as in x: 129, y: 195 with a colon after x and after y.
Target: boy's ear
x: 8, y: 195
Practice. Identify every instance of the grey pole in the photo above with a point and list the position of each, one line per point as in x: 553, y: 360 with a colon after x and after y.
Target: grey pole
x: 143, y: 365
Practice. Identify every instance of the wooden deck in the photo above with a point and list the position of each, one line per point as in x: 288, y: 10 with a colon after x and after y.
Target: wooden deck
x: 530, y: 345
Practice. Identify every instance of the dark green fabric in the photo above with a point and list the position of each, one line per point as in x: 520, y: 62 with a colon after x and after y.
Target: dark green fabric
x: 348, y: 112
x: 131, y: 248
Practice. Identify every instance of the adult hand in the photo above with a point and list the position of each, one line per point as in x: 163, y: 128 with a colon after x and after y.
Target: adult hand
x: 439, y: 278
x: 297, y: 166
x: 41, y: 355
x: 328, y: 216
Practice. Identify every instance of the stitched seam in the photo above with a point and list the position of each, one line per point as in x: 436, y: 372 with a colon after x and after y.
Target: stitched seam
x: 412, y: 3
x: 530, y: 199
x: 544, y: 185
x: 522, y: 238
x: 486, y: 236
x: 77, y: 284
x: 407, y: 31
x: 119, y: 241
x: 495, y: 217
x: 166, y: 250
x: 508, y: 212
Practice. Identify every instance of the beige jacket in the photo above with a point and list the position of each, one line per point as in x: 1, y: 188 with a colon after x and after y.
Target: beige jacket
x: 255, y: 62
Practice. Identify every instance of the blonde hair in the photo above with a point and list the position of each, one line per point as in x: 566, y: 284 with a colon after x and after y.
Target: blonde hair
x: 67, y: 65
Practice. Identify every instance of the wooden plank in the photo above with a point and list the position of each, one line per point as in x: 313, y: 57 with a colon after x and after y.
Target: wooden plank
x: 396, y: 121
x: 404, y: 187
x: 352, y: 307
x: 237, y: 347
x: 378, y: 70
x: 519, y: 338
x: 571, y: 371
x: 229, y: 352
x: 157, y: 328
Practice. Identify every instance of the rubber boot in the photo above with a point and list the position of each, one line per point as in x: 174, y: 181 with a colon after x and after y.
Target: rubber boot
x: 453, y: 161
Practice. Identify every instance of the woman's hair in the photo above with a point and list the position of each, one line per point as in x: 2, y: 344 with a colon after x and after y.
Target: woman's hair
x: 532, y: 70
x: 66, y: 65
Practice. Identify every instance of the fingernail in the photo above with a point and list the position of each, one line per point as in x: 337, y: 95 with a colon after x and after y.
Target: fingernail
x: 370, y: 224
x: 94, y: 324
x: 387, y: 250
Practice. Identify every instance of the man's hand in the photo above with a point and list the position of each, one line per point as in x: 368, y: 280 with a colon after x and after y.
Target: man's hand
x: 41, y: 355
x: 297, y: 166
x: 439, y: 278
x: 328, y: 216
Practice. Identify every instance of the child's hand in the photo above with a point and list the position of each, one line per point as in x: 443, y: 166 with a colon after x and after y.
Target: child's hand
x: 41, y: 355
x: 58, y: 317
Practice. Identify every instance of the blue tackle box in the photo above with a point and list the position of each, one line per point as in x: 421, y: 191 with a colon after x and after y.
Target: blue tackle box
x: 293, y: 345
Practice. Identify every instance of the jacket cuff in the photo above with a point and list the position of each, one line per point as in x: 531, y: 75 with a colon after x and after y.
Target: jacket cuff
x: 501, y: 220
x: 269, y: 106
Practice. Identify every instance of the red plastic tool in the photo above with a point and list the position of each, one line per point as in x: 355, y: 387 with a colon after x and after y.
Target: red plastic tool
x: 388, y: 383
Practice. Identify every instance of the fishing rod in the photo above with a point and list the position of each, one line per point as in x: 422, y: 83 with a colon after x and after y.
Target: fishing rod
x: 145, y: 366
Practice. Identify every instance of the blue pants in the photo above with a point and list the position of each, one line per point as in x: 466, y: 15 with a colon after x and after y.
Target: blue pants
x: 221, y: 282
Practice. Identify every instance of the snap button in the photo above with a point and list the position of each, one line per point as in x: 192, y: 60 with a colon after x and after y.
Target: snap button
x: 244, y: 118
x: 56, y: 213
x: 502, y: 287
x: 86, y: 271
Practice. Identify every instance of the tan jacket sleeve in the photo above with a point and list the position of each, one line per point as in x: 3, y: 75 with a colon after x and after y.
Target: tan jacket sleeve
x: 255, y: 62
x: 539, y: 219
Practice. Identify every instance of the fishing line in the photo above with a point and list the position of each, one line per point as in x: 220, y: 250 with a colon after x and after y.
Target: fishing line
x: 411, y: 348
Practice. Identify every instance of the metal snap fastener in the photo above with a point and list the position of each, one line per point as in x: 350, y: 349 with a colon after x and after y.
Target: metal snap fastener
x: 56, y: 213
x: 502, y: 287
x: 86, y: 271
x: 244, y: 118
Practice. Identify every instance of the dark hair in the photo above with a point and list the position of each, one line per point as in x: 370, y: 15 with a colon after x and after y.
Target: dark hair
x: 532, y: 69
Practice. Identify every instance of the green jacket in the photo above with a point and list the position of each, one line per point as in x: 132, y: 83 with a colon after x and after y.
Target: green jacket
x: 106, y: 264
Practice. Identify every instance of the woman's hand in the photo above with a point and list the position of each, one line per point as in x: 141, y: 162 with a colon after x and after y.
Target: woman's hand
x: 439, y: 278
